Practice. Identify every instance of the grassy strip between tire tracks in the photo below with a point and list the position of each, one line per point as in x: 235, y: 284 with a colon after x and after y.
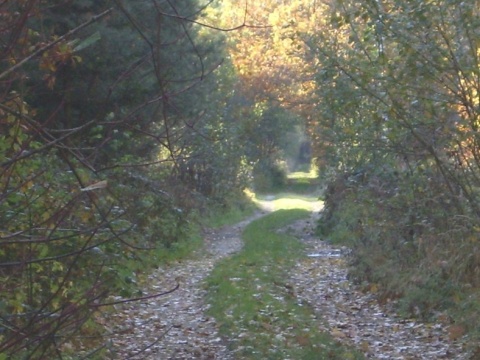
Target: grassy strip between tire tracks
x: 255, y: 306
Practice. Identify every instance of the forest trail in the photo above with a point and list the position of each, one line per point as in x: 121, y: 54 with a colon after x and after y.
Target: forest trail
x: 355, y: 317
x: 176, y: 326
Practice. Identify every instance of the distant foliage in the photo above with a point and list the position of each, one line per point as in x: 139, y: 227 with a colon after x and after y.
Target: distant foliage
x: 268, y: 176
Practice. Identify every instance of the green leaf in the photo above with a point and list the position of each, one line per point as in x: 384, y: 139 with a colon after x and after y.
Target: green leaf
x: 43, y: 252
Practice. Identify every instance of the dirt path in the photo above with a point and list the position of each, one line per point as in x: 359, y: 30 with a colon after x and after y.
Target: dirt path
x: 175, y: 326
x: 356, y: 318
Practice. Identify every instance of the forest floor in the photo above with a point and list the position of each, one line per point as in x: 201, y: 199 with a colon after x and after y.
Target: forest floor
x: 176, y: 326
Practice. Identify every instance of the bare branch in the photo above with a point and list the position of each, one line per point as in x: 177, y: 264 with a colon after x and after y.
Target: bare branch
x: 148, y: 297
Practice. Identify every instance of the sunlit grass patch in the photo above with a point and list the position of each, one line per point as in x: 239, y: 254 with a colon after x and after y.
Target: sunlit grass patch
x: 286, y: 201
x: 256, y: 306
x: 302, y: 183
x: 312, y: 174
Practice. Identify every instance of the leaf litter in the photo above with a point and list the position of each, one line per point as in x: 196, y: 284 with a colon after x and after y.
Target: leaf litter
x: 357, y: 318
x: 177, y: 327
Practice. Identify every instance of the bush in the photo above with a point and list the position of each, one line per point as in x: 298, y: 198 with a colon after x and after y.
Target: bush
x: 408, y: 241
x: 268, y: 176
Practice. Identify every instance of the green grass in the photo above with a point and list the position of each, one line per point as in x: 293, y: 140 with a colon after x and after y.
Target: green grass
x: 302, y: 183
x: 256, y: 307
x: 296, y: 182
x: 228, y: 216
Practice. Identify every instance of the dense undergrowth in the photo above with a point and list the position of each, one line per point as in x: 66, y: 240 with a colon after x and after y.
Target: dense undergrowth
x: 238, y: 209
x: 255, y: 306
x: 408, y: 246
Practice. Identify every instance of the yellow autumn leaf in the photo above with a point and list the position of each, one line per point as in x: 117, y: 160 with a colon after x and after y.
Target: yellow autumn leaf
x: 456, y: 298
x: 27, y: 186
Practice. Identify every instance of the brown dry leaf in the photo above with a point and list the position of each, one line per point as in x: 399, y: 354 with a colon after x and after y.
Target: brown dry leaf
x: 266, y: 326
x: 98, y: 185
x: 455, y: 332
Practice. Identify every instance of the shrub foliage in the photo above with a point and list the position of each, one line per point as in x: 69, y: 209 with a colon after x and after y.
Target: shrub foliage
x: 399, y: 112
